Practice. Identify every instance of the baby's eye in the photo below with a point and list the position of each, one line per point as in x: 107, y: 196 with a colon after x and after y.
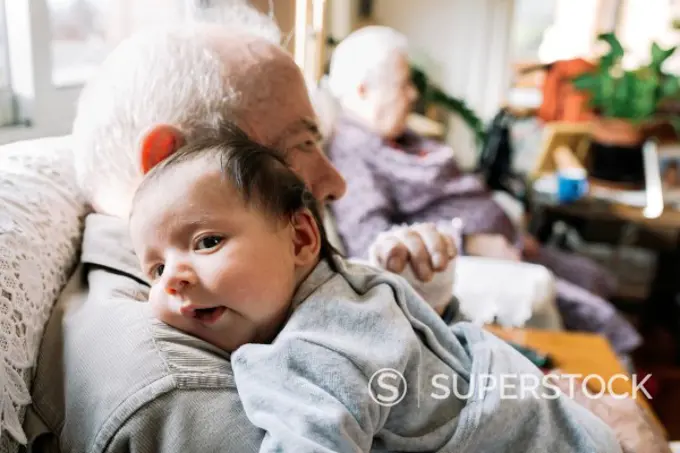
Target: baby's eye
x: 157, y: 271
x: 209, y: 242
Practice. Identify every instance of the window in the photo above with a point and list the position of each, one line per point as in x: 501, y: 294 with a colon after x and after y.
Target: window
x: 78, y: 40
x: 310, y: 23
x: 4, y: 61
x: 549, y: 30
x: 84, y: 31
x: 545, y: 31
x: 642, y: 23
x: 531, y: 19
x: 49, y: 48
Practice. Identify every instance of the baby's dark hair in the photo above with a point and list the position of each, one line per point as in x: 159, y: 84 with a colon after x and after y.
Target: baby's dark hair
x: 259, y: 174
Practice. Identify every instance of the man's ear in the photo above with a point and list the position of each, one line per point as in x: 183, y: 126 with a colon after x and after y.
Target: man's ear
x: 306, y: 237
x: 157, y: 144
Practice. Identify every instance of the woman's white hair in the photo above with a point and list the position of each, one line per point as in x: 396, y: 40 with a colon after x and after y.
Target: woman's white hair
x: 363, y: 57
x: 164, y: 75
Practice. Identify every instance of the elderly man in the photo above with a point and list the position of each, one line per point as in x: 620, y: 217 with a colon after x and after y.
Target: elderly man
x: 112, y: 379
x: 395, y: 176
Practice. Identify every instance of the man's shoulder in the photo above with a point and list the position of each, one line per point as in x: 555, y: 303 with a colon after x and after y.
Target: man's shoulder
x: 104, y: 357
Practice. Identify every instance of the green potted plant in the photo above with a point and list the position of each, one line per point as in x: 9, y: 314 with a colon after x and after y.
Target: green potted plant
x: 626, y: 102
x: 431, y: 94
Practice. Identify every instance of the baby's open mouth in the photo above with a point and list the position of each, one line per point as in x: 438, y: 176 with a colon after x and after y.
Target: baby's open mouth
x: 209, y: 315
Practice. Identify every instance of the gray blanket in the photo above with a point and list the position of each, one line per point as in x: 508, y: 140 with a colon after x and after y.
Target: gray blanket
x: 364, y: 364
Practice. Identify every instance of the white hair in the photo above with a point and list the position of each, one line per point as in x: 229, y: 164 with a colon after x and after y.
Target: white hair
x: 362, y: 57
x: 166, y: 75
x: 237, y: 15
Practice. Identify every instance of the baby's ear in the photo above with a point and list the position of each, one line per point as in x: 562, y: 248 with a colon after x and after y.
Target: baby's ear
x: 157, y: 143
x: 306, y: 237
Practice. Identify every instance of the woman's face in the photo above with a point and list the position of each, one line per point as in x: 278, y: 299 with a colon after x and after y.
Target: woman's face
x: 392, y: 97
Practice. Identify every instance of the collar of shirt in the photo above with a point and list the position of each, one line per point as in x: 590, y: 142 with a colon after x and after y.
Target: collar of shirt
x: 106, y: 243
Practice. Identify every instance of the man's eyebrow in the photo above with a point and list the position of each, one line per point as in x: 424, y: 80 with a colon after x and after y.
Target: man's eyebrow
x: 313, y: 127
x: 302, y: 125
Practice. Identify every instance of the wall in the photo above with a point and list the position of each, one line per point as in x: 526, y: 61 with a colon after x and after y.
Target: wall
x: 284, y: 13
x: 464, y: 44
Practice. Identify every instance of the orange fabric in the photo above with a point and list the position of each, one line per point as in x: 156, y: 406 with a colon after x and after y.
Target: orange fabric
x: 561, y: 101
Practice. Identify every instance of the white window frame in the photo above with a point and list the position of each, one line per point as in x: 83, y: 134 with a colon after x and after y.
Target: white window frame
x: 310, y: 37
x: 7, y: 115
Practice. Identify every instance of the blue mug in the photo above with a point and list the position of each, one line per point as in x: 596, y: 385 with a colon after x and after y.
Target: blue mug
x: 572, y: 184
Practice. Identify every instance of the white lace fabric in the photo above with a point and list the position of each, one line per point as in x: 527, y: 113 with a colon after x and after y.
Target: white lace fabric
x: 41, y: 216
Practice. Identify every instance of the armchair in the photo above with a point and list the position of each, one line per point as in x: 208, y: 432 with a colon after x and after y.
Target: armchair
x: 40, y: 232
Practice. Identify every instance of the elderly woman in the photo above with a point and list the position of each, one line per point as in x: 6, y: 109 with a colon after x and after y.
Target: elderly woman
x: 394, y: 177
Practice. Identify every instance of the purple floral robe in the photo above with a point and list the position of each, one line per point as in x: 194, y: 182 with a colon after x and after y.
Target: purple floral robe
x: 417, y: 180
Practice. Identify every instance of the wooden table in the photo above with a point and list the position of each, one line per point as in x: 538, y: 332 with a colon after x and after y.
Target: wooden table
x: 661, y: 235
x: 577, y: 353
x: 602, y: 209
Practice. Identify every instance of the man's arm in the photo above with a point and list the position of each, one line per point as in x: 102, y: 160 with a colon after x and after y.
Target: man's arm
x: 184, y: 421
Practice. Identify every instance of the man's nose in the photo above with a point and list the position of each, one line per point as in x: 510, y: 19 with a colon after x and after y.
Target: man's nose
x: 178, y: 279
x: 332, y: 185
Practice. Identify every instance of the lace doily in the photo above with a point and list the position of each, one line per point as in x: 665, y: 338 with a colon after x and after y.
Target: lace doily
x: 40, y: 232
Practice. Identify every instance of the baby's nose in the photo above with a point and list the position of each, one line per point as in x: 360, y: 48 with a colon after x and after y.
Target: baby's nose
x: 175, y: 286
x: 179, y: 280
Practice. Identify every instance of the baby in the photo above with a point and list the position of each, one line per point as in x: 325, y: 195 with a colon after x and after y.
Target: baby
x: 327, y: 355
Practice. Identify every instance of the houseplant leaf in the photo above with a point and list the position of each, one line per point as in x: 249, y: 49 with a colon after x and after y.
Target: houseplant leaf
x: 615, y: 53
x: 670, y: 86
x: 589, y: 81
x: 622, y: 93
x: 434, y: 95
x: 459, y: 106
x: 645, y: 98
x: 659, y: 56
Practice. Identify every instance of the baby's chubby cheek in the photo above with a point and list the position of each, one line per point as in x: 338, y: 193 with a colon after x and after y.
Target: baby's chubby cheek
x: 164, y: 307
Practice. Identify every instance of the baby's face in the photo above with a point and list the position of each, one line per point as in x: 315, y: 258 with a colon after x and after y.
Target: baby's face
x: 220, y: 270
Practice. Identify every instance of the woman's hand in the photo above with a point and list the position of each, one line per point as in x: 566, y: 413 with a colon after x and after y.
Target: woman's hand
x: 427, y: 249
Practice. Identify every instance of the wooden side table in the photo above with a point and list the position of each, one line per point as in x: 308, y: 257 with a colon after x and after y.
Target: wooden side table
x: 578, y: 353
x: 661, y: 235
